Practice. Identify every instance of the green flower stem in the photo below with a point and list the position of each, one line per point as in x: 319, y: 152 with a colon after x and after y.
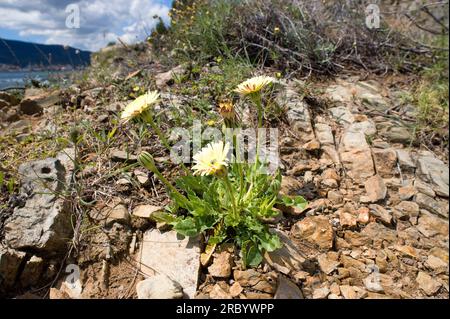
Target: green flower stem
x: 257, y: 99
x: 148, y: 118
x: 231, y: 194
x: 146, y: 160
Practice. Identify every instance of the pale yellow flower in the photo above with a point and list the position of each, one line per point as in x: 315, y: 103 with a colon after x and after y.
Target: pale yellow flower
x: 139, y: 105
x: 212, y: 159
x: 254, y: 84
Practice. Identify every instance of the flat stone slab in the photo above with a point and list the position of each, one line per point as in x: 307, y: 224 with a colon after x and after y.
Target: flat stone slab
x: 342, y: 115
x: 173, y: 255
x: 298, y: 115
x: 434, y: 171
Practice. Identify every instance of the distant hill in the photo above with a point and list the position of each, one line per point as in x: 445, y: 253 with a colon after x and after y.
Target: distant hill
x: 24, y: 54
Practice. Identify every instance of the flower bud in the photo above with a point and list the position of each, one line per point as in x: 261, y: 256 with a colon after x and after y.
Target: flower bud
x: 146, y: 160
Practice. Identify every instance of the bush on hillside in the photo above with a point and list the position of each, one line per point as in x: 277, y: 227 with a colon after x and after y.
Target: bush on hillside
x: 307, y: 37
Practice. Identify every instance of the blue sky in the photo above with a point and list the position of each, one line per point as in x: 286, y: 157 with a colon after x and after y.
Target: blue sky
x: 101, y: 21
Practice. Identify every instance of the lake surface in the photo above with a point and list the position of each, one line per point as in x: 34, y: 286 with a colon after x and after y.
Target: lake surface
x: 19, y: 78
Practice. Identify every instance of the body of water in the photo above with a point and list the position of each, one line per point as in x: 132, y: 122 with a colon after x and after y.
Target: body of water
x: 20, y: 78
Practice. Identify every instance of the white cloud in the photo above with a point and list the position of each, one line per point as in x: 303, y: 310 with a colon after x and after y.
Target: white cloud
x: 101, y: 21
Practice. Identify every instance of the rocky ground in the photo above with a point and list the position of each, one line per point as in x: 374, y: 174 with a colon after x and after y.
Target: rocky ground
x: 376, y: 225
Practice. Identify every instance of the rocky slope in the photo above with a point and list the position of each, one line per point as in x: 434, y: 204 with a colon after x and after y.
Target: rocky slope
x: 376, y: 225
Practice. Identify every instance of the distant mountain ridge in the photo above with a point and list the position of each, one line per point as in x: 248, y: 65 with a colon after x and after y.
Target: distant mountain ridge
x: 25, y: 54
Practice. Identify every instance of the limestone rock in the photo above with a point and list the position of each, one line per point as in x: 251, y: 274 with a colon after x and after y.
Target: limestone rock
x: 287, y: 258
x: 429, y: 285
x: 116, y: 213
x: 430, y: 204
x: 433, y: 170
x: 146, y: 211
x: 43, y: 224
x: 430, y: 225
x: 327, y: 265
x: 397, y: 134
x: 321, y: 293
x: 122, y: 156
x: 367, y: 127
x: 347, y: 219
x: 173, y: 255
x: 342, y: 115
x: 385, y: 161
x: 286, y: 289
x: 220, y: 291
x: 376, y: 231
x: 10, y: 262
x: 167, y: 78
x: 221, y: 266
x: 436, y: 264
x: 351, y: 292
x: 298, y: 115
x: 375, y: 188
x: 407, y: 192
x: 316, y: 230
x: 324, y: 134
x: 255, y: 280
x: 358, y: 163
x: 159, y: 287
x: 381, y: 214
x: 424, y: 188
x: 405, y: 160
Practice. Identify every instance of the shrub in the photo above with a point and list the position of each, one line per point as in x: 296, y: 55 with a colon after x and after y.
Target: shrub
x: 307, y: 37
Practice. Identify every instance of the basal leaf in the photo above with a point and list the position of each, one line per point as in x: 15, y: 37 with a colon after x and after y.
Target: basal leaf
x: 252, y: 255
x: 186, y: 227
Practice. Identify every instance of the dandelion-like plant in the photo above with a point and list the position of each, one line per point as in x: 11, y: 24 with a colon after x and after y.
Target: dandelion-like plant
x: 254, y: 85
x: 139, y: 107
x: 212, y: 159
x: 252, y: 88
x: 225, y: 199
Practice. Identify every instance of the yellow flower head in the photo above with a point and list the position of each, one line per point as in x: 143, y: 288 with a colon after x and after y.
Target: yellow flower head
x: 139, y: 105
x: 276, y: 29
x: 212, y: 159
x: 226, y: 110
x: 254, y: 84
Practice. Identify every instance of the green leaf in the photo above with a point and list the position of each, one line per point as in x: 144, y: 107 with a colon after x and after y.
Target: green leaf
x: 187, y: 227
x: 297, y: 201
x: 161, y: 216
x: 252, y: 255
x: 270, y: 242
x: 216, y: 239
